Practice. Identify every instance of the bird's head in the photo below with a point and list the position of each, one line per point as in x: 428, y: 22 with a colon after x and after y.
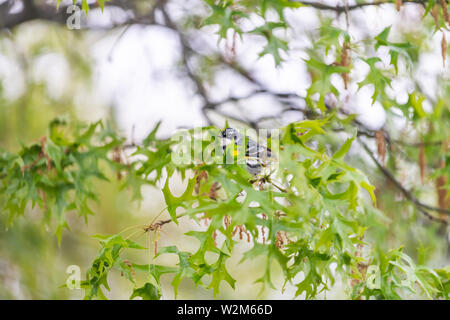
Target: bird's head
x: 231, y: 133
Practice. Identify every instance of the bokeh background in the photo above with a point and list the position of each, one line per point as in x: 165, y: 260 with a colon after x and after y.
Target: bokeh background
x: 134, y: 74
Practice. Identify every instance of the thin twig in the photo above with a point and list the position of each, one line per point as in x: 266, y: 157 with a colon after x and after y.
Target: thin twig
x: 343, y: 9
x: 421, y: 207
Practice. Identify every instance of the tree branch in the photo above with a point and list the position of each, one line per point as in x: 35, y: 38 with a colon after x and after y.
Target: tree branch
x: 343, y: 9
x: 48, y: 12
x: 421, y: 207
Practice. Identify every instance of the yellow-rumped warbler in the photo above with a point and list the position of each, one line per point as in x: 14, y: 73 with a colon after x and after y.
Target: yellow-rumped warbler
x: 257, y: 156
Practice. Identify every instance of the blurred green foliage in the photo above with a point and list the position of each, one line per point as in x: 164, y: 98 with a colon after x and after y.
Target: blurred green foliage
x: 335, y: 224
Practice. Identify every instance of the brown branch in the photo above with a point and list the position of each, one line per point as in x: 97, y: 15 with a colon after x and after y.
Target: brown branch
x: 421, y: 207
x: 157, y: 225
x: 34, y: 10
x: 343, y: 9
x: 39, y: 10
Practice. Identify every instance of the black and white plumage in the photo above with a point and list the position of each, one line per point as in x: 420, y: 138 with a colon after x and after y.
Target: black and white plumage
x: 256, y: 155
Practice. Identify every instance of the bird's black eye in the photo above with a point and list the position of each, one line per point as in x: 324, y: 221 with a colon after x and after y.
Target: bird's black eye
x: 226, y: 132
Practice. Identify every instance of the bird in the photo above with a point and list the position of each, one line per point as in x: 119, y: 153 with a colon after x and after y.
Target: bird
x: 256, y: 155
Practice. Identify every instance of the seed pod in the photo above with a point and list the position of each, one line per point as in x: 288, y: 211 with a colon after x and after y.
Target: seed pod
x: 213, y: 194
x: 422, y: 162
x: 435, y: 14
x: 226, y: 221
x: 345, y: 62
x: 445, y: 11
x: 441, y: 181
x: 381, y: 145
x: 279, y: 241
x: 215, y: 237
x: 203, y: 175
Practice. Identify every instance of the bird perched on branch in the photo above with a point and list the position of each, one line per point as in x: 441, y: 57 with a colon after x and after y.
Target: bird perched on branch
x: 257, y: 156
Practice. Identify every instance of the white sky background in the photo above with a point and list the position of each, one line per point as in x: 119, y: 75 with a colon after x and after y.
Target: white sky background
x: 138, y: 72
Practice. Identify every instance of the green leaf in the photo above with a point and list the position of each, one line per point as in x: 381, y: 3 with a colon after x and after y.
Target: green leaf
x: 395, y: 49
x: 416, y: 101
x: 224, y: 16
x: 376, y: 77
x: 274, y: 44
x: 345, y: 147
x: 152, y: 135
x: 184, y: 201
x: 219, y: 274
x: 147, y: 292
x: 321, y: 80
